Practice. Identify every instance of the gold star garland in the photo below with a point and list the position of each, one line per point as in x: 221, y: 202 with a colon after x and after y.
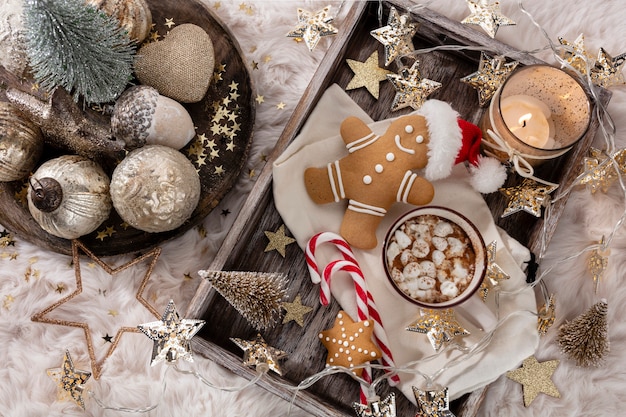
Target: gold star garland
x: 486, y: 15
x: 397, y: 36
x: 546, y: 315
x: 599, y: 171
x: 440, y: 326
x: 535, y: 378
x: 70, y: 381
x: 258, y: 352
x: 529, y: 196
x: 575, y: 54
x: 432, y: 402
x: 607, y: 70
x: 411, y: 89
x: 378, y: 408
x: 77, y: 247
x: 597, y: 263
x: 494, y: 273
x: 491, y: 74
x: 313, y: 26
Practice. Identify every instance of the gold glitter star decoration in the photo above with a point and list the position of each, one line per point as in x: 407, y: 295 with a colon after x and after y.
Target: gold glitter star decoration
x: 367, y: 74
x: 607, y: 71
x: 379, y: 408
x: 70, y: 381
x: 259, y: 354
x: 295, y: 311
x: 432, y: 402
x: 599, y: 171
x: 487, y: 15
x: 171, y: 335
x: 440, y: 326
x: 349, y: 343
x: 313, y: 26
x: 77, y: 248
x: 494, y: 274
x: 597, y: 263
x: 546, y: 315
x: 535, y: 378
x: 492, y: 72
x: 529, y: 196
x: 411, y: 89
x: 278, y: 240
x: 397, y: 36
x: 575, y: 54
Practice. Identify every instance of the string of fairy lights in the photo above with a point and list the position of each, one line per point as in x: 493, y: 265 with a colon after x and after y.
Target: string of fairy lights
x: 562, y: 54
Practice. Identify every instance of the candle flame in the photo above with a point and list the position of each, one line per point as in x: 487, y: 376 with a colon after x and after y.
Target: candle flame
x: 525, y: 118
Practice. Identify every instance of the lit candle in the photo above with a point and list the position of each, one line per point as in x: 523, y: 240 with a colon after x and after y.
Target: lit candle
x: 529, y: 119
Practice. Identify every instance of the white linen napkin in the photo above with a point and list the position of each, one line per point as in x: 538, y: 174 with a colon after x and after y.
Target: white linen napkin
x: 515, y: 336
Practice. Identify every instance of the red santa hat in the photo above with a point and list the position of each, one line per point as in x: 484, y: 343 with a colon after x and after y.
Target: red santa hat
x: 454, y: 140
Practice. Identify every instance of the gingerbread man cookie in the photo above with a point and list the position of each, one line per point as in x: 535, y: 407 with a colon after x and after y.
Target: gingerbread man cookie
x: 398, y: 166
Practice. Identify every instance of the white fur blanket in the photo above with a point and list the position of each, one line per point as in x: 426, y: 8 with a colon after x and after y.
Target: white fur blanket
x: 32, y: 279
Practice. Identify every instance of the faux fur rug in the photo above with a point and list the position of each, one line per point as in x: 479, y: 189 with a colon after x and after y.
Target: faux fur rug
x: 32, y: 279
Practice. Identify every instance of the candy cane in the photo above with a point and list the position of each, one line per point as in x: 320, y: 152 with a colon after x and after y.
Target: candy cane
x: 365, y: 302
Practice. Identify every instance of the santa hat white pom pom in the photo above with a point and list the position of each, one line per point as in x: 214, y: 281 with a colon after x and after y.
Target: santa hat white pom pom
x: 488, y: 176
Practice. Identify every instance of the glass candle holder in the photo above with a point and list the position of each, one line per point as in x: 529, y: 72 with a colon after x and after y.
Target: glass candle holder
x: 539, y: 111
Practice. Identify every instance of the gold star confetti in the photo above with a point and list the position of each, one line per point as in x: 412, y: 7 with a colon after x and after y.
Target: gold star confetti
x: 171, y: 335
x: 102, y: 234
x: 600, y: 171
x: 219, y: 170
x: 607, y: 70
x: 257, y: 352
x: 113, y: 313
x: 255, y: 65
x: 433, y: 402
x: 251, y: 173
x: 169, y: 22
x: 259, y: 99
x: 546, y: 315
x: 367, y: 74
x: 187, y: 276
x: 494, y: 273
x: 267, y: 58
x: 597, y: 263
x: 201, y: 231
x: 280, y: 106
x: 535, y: 378
x: 380, y: 408
x: 60, y: 288
x: 349, y: 343
x: 278, y: 240
x: 397, y: 36
x: 411, y: 89
x: 575, y: 54
x: 295, y: 311
x: 529, y: 196
x: 77, y: 247
x: 217, y: 5
x: 311, y: 27
x: 69, y: 380
x: 107, y: 338
x: 440, y: 326
x: 487, y: 16
x: 492, y: 72
x: 8, y: 301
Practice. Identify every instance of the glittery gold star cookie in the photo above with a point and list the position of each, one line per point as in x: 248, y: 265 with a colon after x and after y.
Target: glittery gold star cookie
x: 492, y: 72
x: 257, y: 352
x: 440, y: 326
x: 607, y: 70
x: 313, y: 26
x: 535, y: 378
x: 295, y: 311
x: 349, y: 343
x: 433, y: 402
x: 486, y: 15
x: 411, y: 89
x: 278, y: 240
x: 397, y: 36
x: 71, y: 381
x: 529, y: 196
x: 367, y: 74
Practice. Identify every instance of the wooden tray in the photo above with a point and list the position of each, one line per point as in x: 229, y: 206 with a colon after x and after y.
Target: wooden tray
x: 243, y: 248
x: 230, y: 68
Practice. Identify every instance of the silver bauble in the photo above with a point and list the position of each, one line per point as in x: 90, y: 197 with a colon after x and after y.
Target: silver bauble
x: 69, y: 196
x: 21, y: 143
x: 155, y: 188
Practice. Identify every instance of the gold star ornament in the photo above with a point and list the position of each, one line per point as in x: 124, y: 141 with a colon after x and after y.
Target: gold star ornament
x: 70, y: 381
x: 529, y: 196
x: 440, y: 326
x: 278, y: 240
x: 171, y: 335
x: 487, y: 15
x: 313, y: 26
x: 607, y: 70
x: 432, y: 403
x: 411, y: 89
x: 535, y: 378
x: 367, y: 74
x: 494, y: 273
x: 575, y: 54
x: 295, y: 311
x: 397, y: 36
x: 598, y: 262
x: 379, y: 408
x: 492, y: 72
x: 257, y: 352
x: 599, y: 170
x: 546, y: 315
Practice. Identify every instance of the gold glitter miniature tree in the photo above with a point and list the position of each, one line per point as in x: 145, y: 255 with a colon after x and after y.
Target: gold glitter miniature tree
x: 585, y: 339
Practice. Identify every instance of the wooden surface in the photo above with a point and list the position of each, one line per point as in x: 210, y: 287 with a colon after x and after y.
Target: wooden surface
x: 243, y: 248
x: 14, y: 214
